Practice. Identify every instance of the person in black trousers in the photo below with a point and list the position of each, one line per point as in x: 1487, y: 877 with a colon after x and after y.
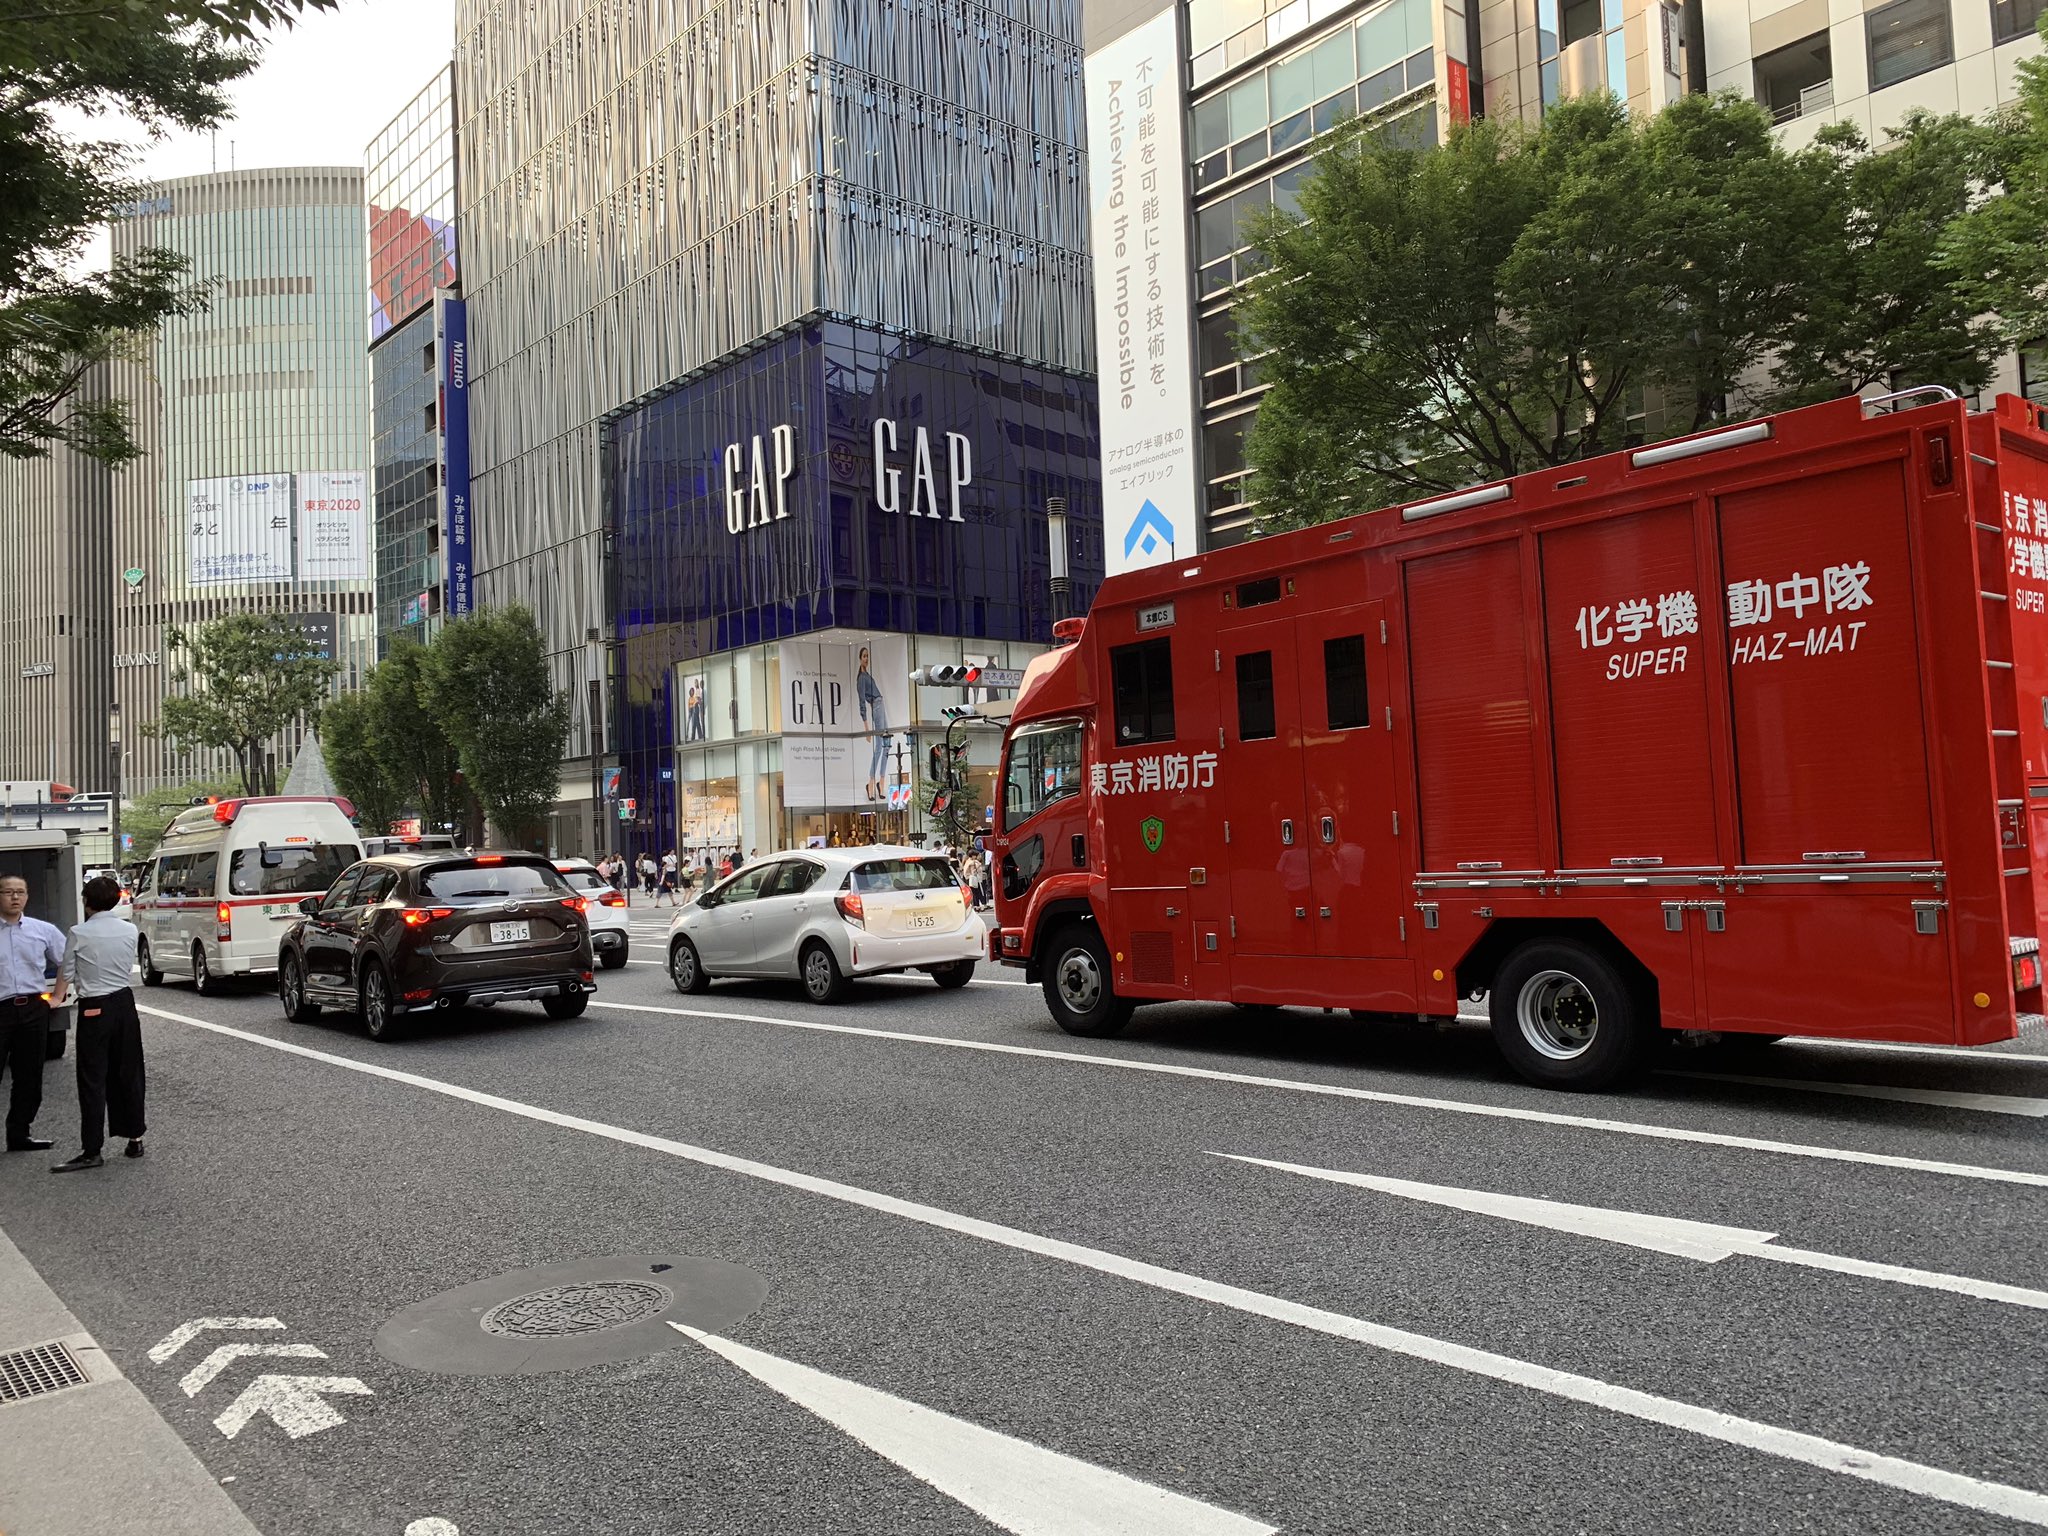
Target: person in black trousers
x: 30, y: 952
x: 97, y: 965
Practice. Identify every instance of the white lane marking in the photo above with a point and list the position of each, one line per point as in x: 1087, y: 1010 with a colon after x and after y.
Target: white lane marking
x: 1700, y: 1240
x: 979, y: 981
x: 294, y: 1402
x: 1376, y: 1096
x: 433, y: 1525
x: 1984, y: 1053
x: 1014, y: 1484
x: 197, y: 1379
x: 1946, y: 1098
x: 185, y: 1333
x: 1770, y: 1439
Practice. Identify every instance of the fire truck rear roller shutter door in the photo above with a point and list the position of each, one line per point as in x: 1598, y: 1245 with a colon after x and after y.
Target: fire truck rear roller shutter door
x: 1474, y: 720
x: 1830, y: 733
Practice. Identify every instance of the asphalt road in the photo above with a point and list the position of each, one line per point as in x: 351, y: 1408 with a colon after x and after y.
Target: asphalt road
x: 1049, y: 1248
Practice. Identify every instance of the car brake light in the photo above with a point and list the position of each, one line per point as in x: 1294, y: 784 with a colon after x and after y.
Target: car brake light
x: 967, y: 893
x: 850, y: 908
x: 615, y: 899
x: 224, y: 921
x: 419, y: 917
x: 575, y: 903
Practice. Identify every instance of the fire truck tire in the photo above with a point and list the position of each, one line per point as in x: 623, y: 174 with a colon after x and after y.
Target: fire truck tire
x: 1078, y: 990
x: 1564, y: 1016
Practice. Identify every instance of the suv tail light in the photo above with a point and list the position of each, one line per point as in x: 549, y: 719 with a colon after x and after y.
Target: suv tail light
x: 419, y: 917
x: 612, y: 899
x: 223, y: 922
x: 850, y: 908
x: 576, y: 903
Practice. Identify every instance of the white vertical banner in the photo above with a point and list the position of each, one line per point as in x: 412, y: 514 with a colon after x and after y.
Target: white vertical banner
x: 239, y: 529
x: 334, y: 528
x: 1144, y: 316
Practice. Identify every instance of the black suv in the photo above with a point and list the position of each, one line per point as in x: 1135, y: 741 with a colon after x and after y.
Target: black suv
x: 407, y: 933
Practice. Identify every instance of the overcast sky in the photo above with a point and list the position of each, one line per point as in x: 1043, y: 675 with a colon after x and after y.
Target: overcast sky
x: 323, y: 90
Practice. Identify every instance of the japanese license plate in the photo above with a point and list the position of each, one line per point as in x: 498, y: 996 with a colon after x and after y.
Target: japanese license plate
x: 510, y: 933
x: 921, y: 920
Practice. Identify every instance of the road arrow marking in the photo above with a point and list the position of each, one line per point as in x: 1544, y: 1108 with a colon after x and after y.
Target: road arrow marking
x: 1703, y: 1241
x: 1011, y: 1483
x: 293, y: 1401
x: 185, y: 1333
x: 202, y: 1374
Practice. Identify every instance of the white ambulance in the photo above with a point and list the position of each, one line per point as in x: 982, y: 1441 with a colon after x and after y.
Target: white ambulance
x: 227, y: 880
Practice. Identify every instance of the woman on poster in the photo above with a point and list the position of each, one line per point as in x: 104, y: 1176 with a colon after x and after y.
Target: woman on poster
x: 876, y: 713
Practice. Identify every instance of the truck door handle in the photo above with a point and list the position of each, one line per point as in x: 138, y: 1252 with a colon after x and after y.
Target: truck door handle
x: 1173, y: 911
x: 1286, y: 833
x: 1329, y: 829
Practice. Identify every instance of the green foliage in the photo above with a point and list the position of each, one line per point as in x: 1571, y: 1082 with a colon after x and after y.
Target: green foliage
x: 145, y: 817
x: 347, y: 743
x: 164, y: 63
x: 960, y: 822
x: 1995, y: 253
x: 249, y: 676
x: 488, y: 678
x: 1517, y: 297
x: 410, y: 739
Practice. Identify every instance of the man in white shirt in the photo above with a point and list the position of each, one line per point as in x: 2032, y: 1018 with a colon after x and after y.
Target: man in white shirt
x: 97, y: 965
x: 30, y: 950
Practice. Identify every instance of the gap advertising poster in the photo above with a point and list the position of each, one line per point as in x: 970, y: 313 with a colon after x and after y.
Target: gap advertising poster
x: 451, y: 345
x: 845, y: 714
x: 238, y: 529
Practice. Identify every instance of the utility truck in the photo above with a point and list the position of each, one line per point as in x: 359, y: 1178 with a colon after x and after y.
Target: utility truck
x: 1744, y: 733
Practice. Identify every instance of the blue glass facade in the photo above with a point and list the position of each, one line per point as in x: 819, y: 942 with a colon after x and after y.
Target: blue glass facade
x: 752, y: 504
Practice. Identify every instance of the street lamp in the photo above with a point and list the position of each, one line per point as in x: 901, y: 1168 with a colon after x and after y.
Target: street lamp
x: 114, y: 747
x: 1056, y: 538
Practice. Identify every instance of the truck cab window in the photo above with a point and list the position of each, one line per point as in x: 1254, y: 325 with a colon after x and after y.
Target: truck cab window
x: 1141, y: 679
x: 1044, y: 765
x: 1344, y: 682
x: 1255, y: 720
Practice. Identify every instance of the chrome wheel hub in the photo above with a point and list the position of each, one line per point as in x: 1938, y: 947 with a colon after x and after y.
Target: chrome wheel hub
x: 1557, y: 1015
x: 1080, y: 981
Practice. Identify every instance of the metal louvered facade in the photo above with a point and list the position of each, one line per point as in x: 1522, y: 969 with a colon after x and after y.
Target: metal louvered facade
x: 647, y: 187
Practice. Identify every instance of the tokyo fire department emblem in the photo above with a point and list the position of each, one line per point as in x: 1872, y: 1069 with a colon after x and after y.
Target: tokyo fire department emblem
x: 1154, y: 832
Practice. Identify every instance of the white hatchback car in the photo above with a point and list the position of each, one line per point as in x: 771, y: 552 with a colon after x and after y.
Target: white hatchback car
x: 607, y: 910
x: 825, y: 915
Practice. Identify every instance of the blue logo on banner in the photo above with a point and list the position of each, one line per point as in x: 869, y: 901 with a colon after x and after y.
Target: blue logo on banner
x: 668, y: 775
x: 1149, y: 529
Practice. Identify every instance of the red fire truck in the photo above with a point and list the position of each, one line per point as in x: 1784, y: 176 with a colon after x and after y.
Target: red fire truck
x: 1745, y: 732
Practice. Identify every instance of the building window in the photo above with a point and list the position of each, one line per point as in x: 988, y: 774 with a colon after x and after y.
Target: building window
x: 1908, y: 39
x: 2034, y: 371
x: 1141, y: 679
x: 2012, y: 19
x: 1797, y: 79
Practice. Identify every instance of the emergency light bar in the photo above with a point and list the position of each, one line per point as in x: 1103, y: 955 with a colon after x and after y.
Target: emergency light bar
x: 1456, y: 503
x: 1713, y: 442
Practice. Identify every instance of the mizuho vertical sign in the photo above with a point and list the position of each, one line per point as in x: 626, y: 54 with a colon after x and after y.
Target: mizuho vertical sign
x: 451, y: 345
x: 1151, y: 481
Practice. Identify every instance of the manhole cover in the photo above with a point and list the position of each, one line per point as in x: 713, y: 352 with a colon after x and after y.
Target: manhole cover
x: 565, y: 1309
x: 571, y: 1315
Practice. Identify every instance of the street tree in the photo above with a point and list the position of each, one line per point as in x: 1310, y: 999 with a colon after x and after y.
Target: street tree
x: 959, y: 822
x: 347, y: 744
x: 162, y: 64
x: 1994, y: 253
x: 247, y: 676
x: 1523, y: 297
x: 409, y: 738
x: 146, y: 816
x: 489, y: 681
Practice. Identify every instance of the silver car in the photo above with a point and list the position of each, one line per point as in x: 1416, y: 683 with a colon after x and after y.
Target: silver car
x: 826, y: 915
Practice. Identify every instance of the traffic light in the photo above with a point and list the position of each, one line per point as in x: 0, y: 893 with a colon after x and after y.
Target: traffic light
x: 946, y: 677
x: 954, y: 712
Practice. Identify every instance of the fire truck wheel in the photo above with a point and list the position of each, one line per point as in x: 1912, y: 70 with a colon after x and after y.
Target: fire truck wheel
x: 1078, y: 991
x: 1565, y: 1017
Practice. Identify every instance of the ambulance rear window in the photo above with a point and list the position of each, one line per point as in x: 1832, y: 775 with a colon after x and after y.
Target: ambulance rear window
x: 1141, y: 678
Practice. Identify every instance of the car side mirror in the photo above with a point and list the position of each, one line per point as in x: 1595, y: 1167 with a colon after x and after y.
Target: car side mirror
x: 309, y: 905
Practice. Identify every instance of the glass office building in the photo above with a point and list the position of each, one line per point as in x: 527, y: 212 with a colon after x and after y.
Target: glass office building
x: 654, y: 202
x: 410, y: 186
x: 254, y: 420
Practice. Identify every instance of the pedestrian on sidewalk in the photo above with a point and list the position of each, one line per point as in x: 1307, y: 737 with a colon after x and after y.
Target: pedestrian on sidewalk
x: 97, y: 964
x: 30, y: 952
x: 647, y: 874
x: 668, y: 876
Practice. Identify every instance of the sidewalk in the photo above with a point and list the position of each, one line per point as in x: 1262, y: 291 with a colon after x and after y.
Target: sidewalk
x: 97, y: 1459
